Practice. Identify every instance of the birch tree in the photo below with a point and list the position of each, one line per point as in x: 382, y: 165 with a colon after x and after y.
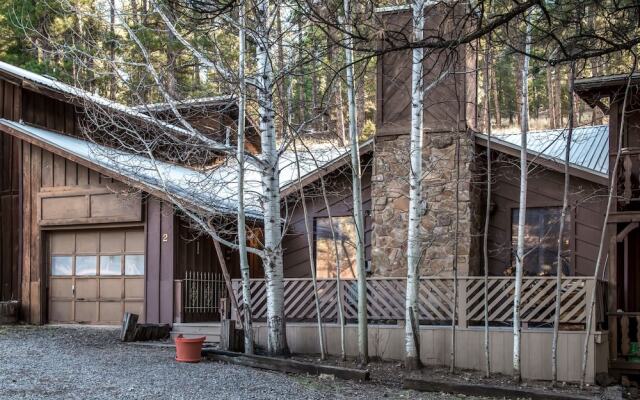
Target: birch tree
x: 356, y: 177
x: 411, y: 338
x: 242, y: 227
x: 487, y: 219
x: 273, y: 267
x: 522, y: 209
x: 563, y: 216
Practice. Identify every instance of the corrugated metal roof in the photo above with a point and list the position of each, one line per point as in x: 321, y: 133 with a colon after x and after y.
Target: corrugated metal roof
x: 589, y: 146
x: 214, y: 190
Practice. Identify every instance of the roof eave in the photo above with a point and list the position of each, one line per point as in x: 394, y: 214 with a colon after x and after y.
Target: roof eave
x: 136, y: 184
x: 544, y: 160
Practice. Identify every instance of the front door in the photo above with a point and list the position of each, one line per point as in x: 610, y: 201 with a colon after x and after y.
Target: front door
x: 95, y: 275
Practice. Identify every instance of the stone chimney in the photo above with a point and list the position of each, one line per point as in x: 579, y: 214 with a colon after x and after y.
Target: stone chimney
x: 449, y: 121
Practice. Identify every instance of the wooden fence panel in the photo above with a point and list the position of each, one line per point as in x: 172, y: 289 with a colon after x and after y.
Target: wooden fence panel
x: 386, y: 299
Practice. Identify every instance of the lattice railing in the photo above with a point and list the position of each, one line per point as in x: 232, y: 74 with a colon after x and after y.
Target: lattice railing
x: 537, y: 302
x: 386, y: 299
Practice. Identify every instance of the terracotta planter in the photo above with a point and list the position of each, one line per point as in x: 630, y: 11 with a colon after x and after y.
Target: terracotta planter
x: 189, y: 350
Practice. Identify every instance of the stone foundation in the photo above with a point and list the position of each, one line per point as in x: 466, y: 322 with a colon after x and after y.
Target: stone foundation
x: 390, y: 205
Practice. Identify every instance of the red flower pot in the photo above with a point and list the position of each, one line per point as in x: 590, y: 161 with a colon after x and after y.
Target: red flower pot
x: 189, y: 350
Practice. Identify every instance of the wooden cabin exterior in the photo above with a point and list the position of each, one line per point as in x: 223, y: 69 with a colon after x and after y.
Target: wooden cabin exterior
x: 72, y: 219
x: 619, y: 97
x: 79, y: 243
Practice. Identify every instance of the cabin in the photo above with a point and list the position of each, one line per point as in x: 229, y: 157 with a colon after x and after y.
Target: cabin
x: 618, y: 96
x: 92, y: 230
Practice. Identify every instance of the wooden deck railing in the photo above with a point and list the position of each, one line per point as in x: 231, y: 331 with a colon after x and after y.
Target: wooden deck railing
x: 386, y: 298
x: 198, y: 296
x: 625, y: 330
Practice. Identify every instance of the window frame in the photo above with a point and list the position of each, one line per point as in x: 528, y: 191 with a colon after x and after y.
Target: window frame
x: 568, y: 234
x: 316, y: 219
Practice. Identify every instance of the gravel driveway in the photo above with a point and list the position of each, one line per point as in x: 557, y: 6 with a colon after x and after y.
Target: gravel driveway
x: 90, y: 363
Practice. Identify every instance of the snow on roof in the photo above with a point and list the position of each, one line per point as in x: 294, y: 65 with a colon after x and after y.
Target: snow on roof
x: 75, y: 92
x: 198, y: 102
x: 213, y: 190
x: 589, y: 146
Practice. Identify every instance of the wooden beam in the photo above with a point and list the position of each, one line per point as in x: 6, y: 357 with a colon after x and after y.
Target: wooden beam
x: 286, y: 365
x: 627, y: 229
x: 227, y: 279
x: 425, y: 384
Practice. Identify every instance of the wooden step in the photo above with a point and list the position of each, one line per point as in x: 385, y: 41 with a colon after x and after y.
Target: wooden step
x: 193, y: 330
x: 208, y: 338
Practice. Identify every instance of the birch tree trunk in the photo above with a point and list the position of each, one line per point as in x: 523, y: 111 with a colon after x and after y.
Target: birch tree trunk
x: 309, y: 229
x: 242, y: 227
x: 603, y: 233
x: 356, y: 176
x: 520, y: 253
x: 411, y: 340
x: 273, y: 268
x: 454, y: 311
x: 485, y: 241
x: 112, y: 50
x: 563, y: 215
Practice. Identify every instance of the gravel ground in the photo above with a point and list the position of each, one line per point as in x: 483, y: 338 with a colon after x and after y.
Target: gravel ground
x: 90, y: 363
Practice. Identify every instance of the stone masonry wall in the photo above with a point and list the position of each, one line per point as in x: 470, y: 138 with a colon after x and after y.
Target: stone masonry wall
x: 390, y: 205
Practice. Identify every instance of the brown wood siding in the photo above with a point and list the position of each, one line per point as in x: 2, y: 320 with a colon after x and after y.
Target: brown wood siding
x: 10, y: 207
x: 9, y: 217
x: 295, y: 244
x: 451, y: 103
x: 545, y: 189
x: 195, y: 251
x: 49, y: 113
x: 43, y: 174
x: 159, y: 274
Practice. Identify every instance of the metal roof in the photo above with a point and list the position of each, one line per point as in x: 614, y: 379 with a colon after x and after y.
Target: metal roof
x: 214, y: 190
x: 589, y: 146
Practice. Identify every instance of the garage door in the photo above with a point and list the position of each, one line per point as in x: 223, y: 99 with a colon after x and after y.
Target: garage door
x: 95, y: 276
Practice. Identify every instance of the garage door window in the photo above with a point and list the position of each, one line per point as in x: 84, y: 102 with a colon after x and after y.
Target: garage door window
x: 134, y: 264
x: 110, y: 265
x: 86, y: 265
x: 61, y: 265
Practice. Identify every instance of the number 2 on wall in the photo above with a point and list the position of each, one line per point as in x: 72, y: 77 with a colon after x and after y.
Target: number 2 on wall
x: 165, y: 237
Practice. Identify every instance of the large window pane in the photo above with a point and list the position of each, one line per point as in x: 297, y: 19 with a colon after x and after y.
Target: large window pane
x: 339, y: 255
x: 134, y: 265
x: 542, y: 225
x: 86, y: 265
x: 61, y: 265
x: 110, y: 265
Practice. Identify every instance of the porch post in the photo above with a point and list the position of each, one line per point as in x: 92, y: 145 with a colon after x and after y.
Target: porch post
x: 227, y: 279
x: 462, y: 302
x: 177, y: 301
x: 612, y: 299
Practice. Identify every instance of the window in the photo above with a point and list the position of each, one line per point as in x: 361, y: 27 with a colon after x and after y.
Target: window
x: 86, y: 265
x: 540, y: 240
x: 61, y: 265
x: 134, y: 264
x: 340, y: 254
x: 110, y: 265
